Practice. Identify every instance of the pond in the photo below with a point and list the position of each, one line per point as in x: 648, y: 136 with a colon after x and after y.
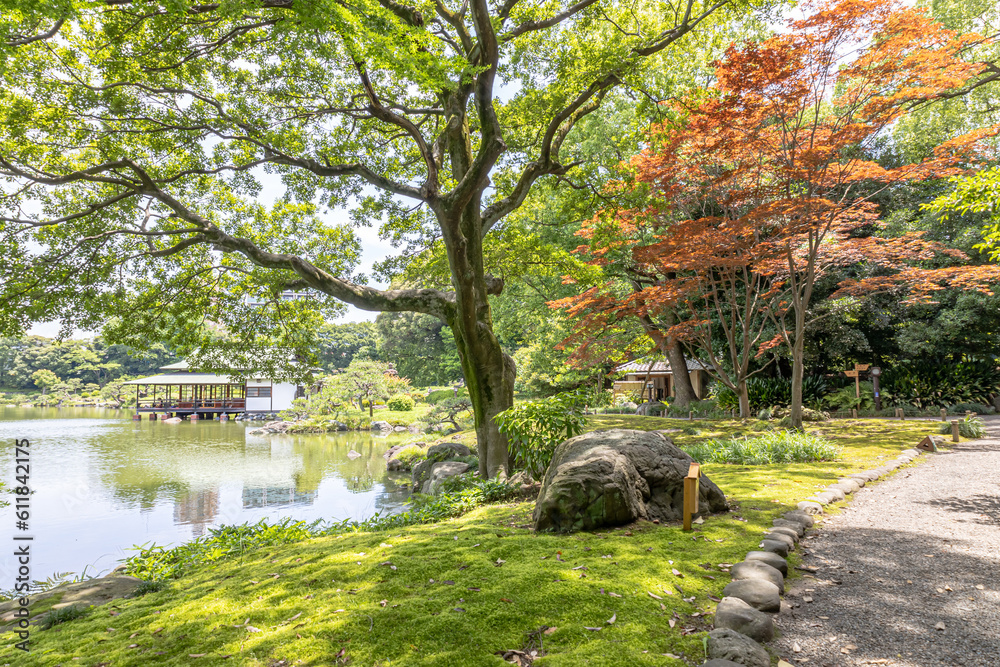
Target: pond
x: 103, y: 483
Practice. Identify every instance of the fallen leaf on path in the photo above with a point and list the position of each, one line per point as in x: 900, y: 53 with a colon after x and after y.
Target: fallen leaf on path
x: 677, y: 573
x: 940, y: 626
x: 796, y: 648
x: 592, y: 629
x: 549, y: 631
x: 611, y: 621
x: 655, y: 597
x: 671, y: 622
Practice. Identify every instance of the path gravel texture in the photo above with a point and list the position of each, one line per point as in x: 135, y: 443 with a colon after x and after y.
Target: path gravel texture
x: 908, y: 575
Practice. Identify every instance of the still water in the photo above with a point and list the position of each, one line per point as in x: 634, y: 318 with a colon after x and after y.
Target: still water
x: 103, y: 483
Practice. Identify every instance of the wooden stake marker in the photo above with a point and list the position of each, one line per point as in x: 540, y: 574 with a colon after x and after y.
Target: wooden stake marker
x: 691, y: 494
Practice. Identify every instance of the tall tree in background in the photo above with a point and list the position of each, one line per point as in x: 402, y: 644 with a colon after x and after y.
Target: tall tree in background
x: 780, y: 152
x: 134, y: 135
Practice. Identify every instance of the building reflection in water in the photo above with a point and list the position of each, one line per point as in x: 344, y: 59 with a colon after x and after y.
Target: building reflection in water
x: 197, y: 509
x: 271, y: 496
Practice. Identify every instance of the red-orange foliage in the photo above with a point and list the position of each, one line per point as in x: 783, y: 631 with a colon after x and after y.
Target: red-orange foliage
x: 767, y: 183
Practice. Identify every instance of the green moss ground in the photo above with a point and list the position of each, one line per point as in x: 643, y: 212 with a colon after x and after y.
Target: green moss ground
x: 466, y: 588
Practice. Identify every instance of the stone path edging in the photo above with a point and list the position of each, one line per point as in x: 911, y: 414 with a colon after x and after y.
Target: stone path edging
x: 743, y: 620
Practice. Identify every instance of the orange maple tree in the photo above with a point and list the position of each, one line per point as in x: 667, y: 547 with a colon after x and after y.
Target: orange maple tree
x: 766, y: 183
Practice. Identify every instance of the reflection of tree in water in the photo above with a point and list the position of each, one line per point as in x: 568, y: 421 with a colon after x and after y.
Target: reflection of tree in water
x: 396, y: 494
x: 270, y: 496
x: 197, y: 510
x: 322, y: 454
x: 147, y: 493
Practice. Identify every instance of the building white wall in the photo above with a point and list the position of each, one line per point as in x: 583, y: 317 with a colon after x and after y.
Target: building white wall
x: 282, y: 395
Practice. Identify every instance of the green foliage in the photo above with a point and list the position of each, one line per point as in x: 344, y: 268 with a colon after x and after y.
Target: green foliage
x: 534, y: 428
x: 421, y: 347
x: 62, y: 615
x: 400, y: 403
x: 845, y: 398
x: 971, y: 427
x: 340, y: 344
x: 941, y: 382
x: 978, y: 408
x: 449, y: 410
x: 774, y: 447
x: 439, y: 395
x: 156, y: 563
x: 764, y: 392
x: 147, y: 587
x: 410, y: 455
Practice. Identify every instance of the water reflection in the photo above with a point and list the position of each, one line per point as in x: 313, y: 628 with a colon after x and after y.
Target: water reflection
x: 104, y: 483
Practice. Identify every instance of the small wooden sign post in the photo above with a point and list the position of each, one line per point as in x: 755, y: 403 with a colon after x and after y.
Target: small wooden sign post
x: 691, y: 494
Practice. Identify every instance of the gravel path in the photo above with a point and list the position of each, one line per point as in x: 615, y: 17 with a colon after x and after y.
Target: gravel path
x: 916, y: 551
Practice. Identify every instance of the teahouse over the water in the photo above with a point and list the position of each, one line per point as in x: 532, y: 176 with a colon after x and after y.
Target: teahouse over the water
x: 182, y: 391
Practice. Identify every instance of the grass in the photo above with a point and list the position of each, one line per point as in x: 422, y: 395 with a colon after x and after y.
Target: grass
x: 457, y: 591
x: 773, y: 447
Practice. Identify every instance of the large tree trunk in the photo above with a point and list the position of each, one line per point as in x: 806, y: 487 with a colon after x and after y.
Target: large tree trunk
x: 798, y: 354
x: 744, y: 399
x: 683, y: 389
x: 489, y: 378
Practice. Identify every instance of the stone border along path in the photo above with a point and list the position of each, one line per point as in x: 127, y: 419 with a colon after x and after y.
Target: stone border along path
x: 744, y: 618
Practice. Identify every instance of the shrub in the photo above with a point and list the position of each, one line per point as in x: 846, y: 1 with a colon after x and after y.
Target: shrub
x: 436, y: 397
x: 533, y: 429
x: 57, y: 616
x: 942, y: 382
x: 845, y: 398
x: 978, y: 408
x: 774, y: 447
x: 148, y: 587
x: 400, y: 403
x: 970, y: 427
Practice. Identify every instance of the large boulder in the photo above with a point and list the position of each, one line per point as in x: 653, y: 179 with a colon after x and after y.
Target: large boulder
x: 726, y: 644
x: 444, y: 451
x: 608, y: 478
x: 381, y: 426
x: 440, y: 472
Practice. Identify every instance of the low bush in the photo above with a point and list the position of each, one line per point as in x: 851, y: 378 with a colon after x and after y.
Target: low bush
x: 436, y: 397
x: 774, y: 447
x: 57, y: 616
x: 534, y: 428
x: 970, y: 427
x: 978, y: 408
x: 400, y: 403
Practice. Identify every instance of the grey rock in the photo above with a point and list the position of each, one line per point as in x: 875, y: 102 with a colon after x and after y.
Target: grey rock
x: 787, y: 532
x: 779, y: 547
x: 810, y: 507
x: 421, y: 473
x: 442, y: 471
x: 726, y: 644
x: 770, y: 558
x: 912, y: 452
x: 735, y: 614
x: 762, y: 595
x: 381, y: 426
x: 391, y: 451
x: 399, y: 429
x: 860, y: 478
x: 755, y: 569
x: 794, y: 526
x: 852, y: 484
x: 838, y: 493
x: 801, y: 516
x: 721, y: 663
x: 444, y: 451
x: 827, y: 497
x: 607, y: 478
